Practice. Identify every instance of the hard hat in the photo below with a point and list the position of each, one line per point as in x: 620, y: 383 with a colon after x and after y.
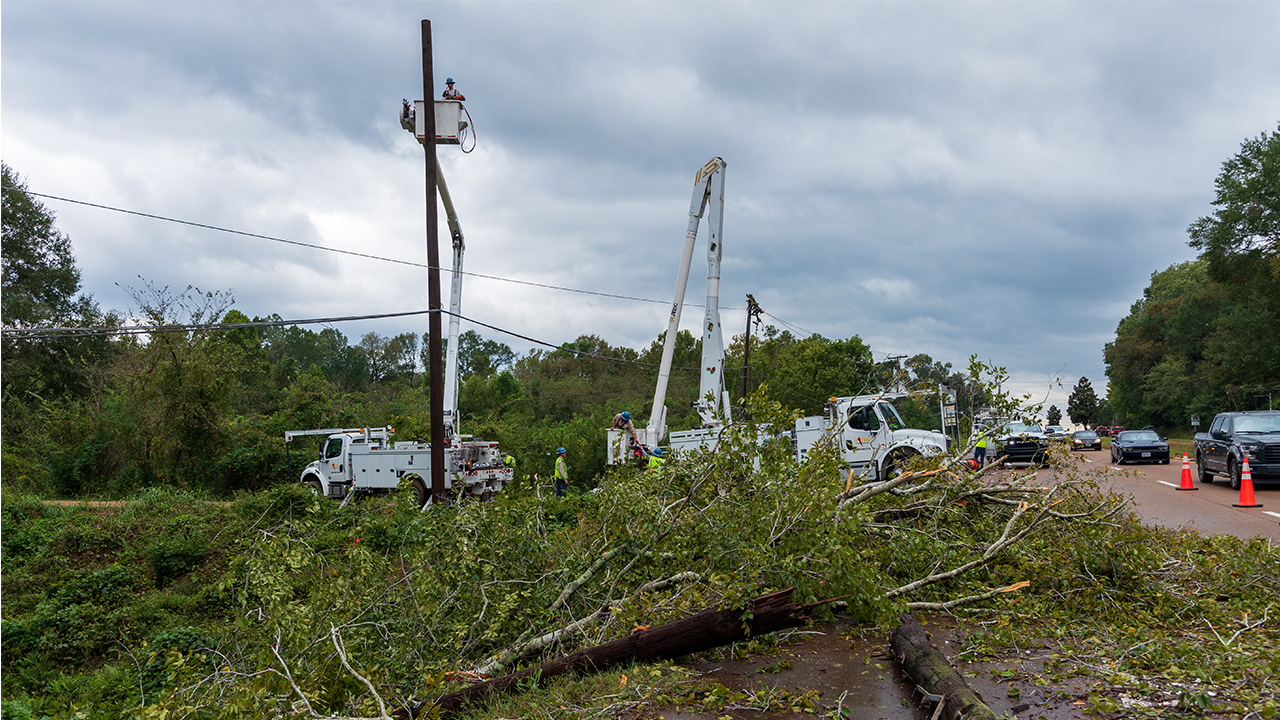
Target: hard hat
x: 657, y: 451
x: 448, y: 81
x: 626, y: 416
x: 560, y: 451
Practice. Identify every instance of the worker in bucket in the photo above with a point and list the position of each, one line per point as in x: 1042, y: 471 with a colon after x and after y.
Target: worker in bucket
x: 656, y: 460
x: 622, y: 421
x: 561, y: 474
x: 450, y: 93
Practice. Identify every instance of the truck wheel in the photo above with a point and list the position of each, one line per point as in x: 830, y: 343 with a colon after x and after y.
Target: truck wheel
x: 420, y: 493
x: 897, y: 461
x: 1233, y: 472
x: 1204, y: 475
x: 315, y: 487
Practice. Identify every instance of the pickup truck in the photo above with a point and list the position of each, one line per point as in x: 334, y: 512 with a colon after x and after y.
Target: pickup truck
x: 1232, y: 437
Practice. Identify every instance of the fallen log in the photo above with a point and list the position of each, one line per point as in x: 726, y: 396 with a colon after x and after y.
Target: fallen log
x: 931, y: 671
x: 703, y: 631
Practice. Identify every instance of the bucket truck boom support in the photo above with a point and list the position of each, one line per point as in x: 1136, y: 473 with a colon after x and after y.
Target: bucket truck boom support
x: 713, y: 402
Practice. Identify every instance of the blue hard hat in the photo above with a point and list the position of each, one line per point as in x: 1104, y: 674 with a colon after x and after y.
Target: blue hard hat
x: 657, y: 451
x: 626, y: 416
x: 560, y: 451
x: 448, y: 81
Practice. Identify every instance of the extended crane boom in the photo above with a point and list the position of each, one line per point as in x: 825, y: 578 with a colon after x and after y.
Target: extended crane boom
x: 713, y: 401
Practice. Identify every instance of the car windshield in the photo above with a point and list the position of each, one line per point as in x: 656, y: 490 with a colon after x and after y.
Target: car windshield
x: 1257, y: 423
x: 1055, y: 429
x: 1017, y: 428
x: 1139, y: 436
x: 1085, y: 435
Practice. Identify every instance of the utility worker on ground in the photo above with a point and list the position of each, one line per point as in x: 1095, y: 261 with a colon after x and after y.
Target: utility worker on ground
x: 561, y: 474
x: 656, y: 460
x: 450, y: 93
x: 980, y: 451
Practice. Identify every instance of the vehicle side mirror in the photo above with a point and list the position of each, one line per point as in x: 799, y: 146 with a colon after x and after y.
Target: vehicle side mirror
x: 1218, y: 435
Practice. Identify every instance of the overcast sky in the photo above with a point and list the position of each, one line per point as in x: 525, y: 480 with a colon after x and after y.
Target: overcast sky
x: 998, y: 179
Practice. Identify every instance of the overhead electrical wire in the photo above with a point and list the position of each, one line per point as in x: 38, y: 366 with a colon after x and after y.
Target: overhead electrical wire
x: 105, y: 331
x: 353, y: 253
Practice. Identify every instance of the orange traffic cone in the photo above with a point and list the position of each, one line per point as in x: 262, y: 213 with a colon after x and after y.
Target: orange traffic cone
x: 1246, y: 488
x: 1186, y: 474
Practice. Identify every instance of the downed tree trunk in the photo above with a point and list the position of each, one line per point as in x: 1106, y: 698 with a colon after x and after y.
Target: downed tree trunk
x: 922, y: 661
x: 703, y: 631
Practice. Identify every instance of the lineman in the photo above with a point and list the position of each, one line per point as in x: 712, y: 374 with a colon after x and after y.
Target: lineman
x: 449, y: 92
x: 562, y: 474
x: 656, y: 460
x: 622, y: 421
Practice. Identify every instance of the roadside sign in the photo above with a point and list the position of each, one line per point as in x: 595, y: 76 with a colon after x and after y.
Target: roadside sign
x: 1195, y: 421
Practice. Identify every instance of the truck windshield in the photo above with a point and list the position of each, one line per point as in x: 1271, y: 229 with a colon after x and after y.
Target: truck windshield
x: 891, y: 417
x: 1264, y: 424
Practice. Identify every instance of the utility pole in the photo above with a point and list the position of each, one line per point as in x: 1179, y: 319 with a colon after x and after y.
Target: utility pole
x: 753, y: 313
x: 897, y: 375
x: 435, y: 367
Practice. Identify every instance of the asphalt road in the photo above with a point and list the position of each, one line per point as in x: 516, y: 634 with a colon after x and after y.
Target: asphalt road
x: 1208, y: 509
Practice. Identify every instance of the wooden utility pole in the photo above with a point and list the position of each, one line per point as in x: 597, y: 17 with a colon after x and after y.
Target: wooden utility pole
x: 435, y: 367
x: 753, y: 313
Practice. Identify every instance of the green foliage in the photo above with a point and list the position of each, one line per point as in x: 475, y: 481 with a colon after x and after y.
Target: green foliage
x: 1053, y: 416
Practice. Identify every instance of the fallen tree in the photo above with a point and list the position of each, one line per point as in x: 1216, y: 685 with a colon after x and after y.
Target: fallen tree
x: 705, y: 630
x: 931, y: 671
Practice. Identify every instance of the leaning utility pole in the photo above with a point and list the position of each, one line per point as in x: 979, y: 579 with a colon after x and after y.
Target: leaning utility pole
x: 435, y: 367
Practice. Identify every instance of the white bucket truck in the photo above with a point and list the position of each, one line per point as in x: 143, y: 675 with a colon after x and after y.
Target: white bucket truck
x: 366, y: 460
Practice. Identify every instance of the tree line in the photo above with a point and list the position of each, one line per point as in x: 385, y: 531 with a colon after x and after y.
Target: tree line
x: 1205, y: 335
x: 206, y: 409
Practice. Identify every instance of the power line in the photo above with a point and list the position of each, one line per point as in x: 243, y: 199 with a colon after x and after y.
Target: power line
x: 103, y: 331
x: 353, y: 253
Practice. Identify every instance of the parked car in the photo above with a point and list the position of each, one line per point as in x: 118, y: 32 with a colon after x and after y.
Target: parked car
x: 1139, y: 446
x: 1085, y: 440
x: 1023, y: 443
x: 1234, y: 436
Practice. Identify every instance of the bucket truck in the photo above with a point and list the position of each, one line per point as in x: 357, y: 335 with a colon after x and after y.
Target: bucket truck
x: 365, y: 460
x: 867, y: 429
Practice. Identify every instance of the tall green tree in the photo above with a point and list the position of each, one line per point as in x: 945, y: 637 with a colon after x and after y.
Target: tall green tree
x: 1082, y: 405
x: 41, y: 289
x: 1053, y: 416
x: 1242, y: 236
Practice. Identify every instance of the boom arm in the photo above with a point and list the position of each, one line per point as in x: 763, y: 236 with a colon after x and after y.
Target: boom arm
x: 451, y: 420
x: 708, y: 187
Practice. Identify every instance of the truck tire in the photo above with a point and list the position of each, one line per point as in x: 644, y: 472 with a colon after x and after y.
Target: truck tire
x: 1201, y: 472
x: 897, y: 461
x: 420, y: 493
x: 1233, y: 472
x: 315, y: 487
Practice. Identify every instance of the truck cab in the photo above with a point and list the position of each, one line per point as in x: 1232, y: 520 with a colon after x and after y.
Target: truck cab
x: 870, y: 434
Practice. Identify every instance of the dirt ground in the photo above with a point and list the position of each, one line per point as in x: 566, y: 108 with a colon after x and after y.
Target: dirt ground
x: 852, y: 672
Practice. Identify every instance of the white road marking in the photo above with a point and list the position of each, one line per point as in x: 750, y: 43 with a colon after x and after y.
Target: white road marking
x: 1272, y: 514
x: 1168, y: 483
